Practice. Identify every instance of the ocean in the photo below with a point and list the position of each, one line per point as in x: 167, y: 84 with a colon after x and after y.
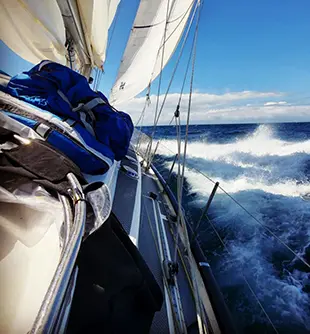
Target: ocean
x: 265, y: 168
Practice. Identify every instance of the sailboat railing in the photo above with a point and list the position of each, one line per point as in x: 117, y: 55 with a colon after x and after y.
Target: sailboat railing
x: 142, y: 143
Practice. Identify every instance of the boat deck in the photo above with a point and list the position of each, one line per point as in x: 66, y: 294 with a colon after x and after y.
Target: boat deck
x: 155, y: 240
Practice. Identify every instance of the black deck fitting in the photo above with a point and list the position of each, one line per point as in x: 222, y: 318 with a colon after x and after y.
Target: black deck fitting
x: 153, y: 195
x: 171, y: 270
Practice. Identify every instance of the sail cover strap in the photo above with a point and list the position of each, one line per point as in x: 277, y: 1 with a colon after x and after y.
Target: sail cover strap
x: 85, y: 109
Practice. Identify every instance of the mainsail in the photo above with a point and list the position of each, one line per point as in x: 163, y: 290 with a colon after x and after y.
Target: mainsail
x: 97, y: 17
x: 38, y: 30
x: 155, y: 34
x: 33, y: 29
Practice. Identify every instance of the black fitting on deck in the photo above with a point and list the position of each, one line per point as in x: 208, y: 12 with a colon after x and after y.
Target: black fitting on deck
x: 171, y: 269
x: 153, y: 195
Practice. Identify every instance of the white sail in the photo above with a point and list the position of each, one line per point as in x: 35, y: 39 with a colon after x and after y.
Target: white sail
x: 33, y: 29
x: 141, y: 61
x: 96, y: 17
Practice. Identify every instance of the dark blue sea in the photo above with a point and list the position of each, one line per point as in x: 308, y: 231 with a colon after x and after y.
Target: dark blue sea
x: 265, y: 168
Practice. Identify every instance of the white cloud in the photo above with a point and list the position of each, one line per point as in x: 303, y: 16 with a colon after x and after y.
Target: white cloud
x: 274, y: 103
x: 232, y: 107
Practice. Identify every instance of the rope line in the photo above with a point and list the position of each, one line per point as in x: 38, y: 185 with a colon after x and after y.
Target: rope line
x: 156, y: 119
x: 158, y: 114
x: 149, y: 150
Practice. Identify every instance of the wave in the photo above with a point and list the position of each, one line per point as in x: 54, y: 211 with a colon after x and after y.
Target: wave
x: 267, y: 175
x: 258, y: 162
x: 261, y: 143
x: 199, y: 184
x: 252, y: 252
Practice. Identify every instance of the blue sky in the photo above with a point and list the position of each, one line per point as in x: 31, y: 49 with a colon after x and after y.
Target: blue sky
x: 244, y: 45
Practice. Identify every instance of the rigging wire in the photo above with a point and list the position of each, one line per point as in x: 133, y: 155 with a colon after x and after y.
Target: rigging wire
x: 156, y: 119
x: 177, y: 64
x: 175, y: 68
x: 147, y: 102
x: 243, y: 276
x: 183, y: 16
x: 96, y: 78
x: 171, y: 120
x: 162, y: 60
x: 149, y: 150
x: 257, y: 221
x: 193, y: 58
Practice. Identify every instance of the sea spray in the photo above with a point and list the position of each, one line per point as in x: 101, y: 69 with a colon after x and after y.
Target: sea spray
x: 266, y: 168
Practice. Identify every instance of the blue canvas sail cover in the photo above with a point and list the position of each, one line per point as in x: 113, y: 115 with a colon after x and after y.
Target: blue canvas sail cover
x: 67, y: 94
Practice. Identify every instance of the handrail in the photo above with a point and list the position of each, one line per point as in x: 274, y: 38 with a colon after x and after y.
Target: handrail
x: 46, y: 318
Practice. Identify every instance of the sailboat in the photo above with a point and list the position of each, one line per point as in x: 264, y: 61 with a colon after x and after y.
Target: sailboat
x: 92, y: 237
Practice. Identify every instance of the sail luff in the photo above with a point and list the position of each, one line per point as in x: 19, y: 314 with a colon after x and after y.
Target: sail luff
x: 97, y: 16
x: 141, y: 62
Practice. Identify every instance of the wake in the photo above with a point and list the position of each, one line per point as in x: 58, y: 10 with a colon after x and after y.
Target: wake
x: 267, y: 176
x: 258, y: 162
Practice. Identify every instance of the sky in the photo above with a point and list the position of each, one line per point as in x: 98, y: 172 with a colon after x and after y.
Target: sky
x: 253, y: 63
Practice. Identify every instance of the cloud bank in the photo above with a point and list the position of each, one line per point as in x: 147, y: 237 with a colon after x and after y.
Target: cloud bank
x: 231, y: 107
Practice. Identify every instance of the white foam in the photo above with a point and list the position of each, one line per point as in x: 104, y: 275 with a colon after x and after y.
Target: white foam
x: 266, y: 176
x: 259, y: 162
x: 261, y: 143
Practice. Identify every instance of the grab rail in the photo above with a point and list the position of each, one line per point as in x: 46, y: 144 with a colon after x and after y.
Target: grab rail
x: 47, y: 316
